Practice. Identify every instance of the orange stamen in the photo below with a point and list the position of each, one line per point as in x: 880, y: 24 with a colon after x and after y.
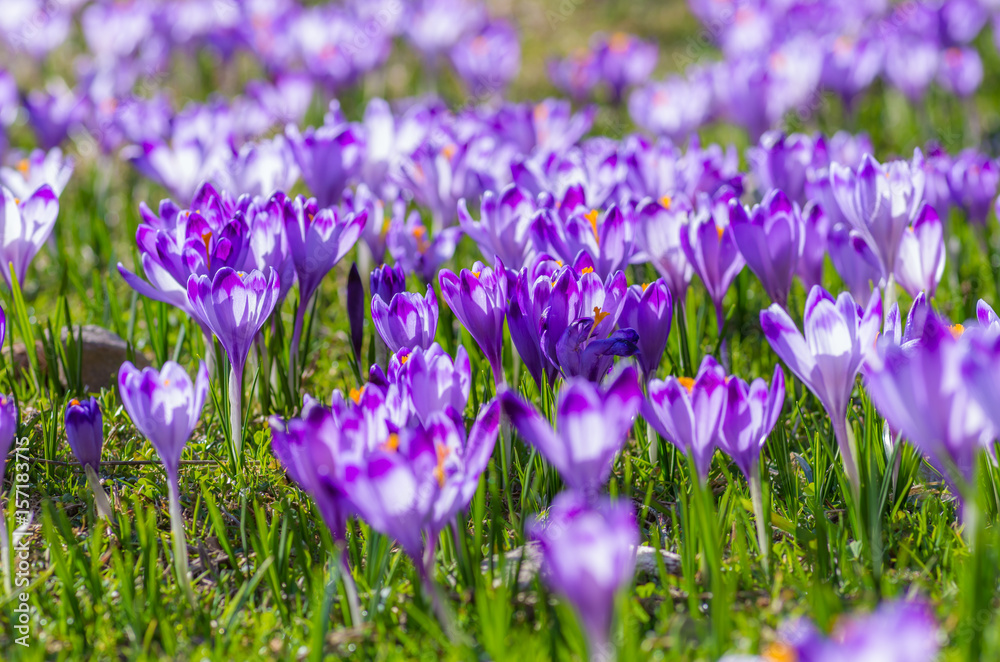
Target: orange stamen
x: 591, y: 216
x: 74, y: 402
x: 586, y: 270
x: 24, y: 166
x: 420, y: 234
x: 645, y: 286
x: 721, y: 231
x: 619, y: 42
x: 599, y: 315
x: 356, y: 395
x: 957, y: 330
x: 442, y: 454
x: 665, y: 202
x: 778, y: 652
x: 687, y: 383
x: 392, y: 443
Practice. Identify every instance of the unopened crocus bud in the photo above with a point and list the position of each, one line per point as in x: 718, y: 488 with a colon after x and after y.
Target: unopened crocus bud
x: 85, y: 431
x: 356, y: 309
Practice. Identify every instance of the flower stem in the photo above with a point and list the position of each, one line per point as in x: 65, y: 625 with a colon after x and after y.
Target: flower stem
x: 179, y: 543
x: 100, y: 498
x: 848, y: 452
x: 652, y: 445
x: 763, y: 523
x: 5, y: 553
x: 349, y: 586
x: 236, y: 411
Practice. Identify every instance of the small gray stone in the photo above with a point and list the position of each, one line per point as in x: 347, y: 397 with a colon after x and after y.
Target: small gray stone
x: 530, y: 558
x: 103, y: 353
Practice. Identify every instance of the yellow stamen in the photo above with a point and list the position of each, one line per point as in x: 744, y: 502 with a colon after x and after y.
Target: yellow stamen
x: 356, y: 395
x: 592, y: 217
x: 541, y: 113
x: 476, y: 273
x: 599, y: 315
x: 448, y: 151
x: 778, y: 652
x: 392, y: 443
x: 24, y: 166
x: 687, y: 383
x: 404, y: 359
x: 17, y: 201
x: 442, y: 454
x: 957, y: 330
x: 645, y: 286
x: 74, y: 402
x: 166, y: 382
x: 721, y: 231
x: 586, y: 270
x: 665, y: 202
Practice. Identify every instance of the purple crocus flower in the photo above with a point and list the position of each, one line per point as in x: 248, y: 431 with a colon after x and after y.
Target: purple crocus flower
x: 712, y: 251
x: 580, y: 295
x: 961, y: 71
x: 234, y: 305
x: 879, y: 202
x: 688, y: 412
x: 659, y: 227
x: 780, y: 161
x: 649, y: 310
x: 37, y: 169
x: 816, y: 232
x: 750, y: 414
x: 315, y: 451
x: 488, y: 61
x: 936, y: 165
x: 411, y: 248
x: 24, y: 226
x: 54, y: 112
x: 673, y: 107
x: 430, y: 381
x: 588, y: 553
x: 973, y: 181
x: 829, y: 356
x: 581, y: 353
x: 979, y: 369
x: 504, y: 228
x: 328, y: 156
x: 985, y: 315
x: 592, y: 425
x: 855, y: 261
x: 408, y: 320
x: 930, y: 392
x: 898, y: 631
x: 525, y: 308
x: 85, y: 431
x: 317, y: 239
x: 386, y: 282
x: 920, y: 264
x: 605, y: 239
x: 770, y: 238
x: 479, y: 300
x: 623, y: 60
x: 434, y: 26
x: 165, y: 406
x: 416, y: 482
